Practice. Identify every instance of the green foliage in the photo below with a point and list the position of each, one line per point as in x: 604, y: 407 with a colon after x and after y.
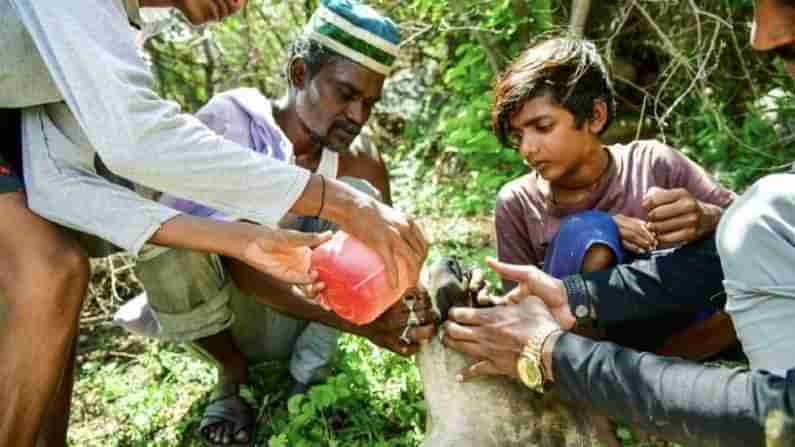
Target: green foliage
x: 475, y: 46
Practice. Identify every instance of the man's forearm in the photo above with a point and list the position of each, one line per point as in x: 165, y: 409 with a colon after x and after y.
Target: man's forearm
x: 206, y: 235
x: 674, y: 398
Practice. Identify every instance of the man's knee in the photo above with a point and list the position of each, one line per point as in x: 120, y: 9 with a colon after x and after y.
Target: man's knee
x: 50, y: 281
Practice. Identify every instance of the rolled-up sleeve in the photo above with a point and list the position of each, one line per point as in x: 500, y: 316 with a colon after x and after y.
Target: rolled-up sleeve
x: 90, y: 53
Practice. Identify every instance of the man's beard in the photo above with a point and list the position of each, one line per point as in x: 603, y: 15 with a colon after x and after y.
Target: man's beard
x: 325, y: 142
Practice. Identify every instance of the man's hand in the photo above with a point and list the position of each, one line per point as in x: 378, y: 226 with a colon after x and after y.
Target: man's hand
x: 284, y: 254
x: 635, y: 234
x: 496, y: 336
x: 393, y: 235
x: 676, y: 216
x: 386, y: 331
x: 534, y: 281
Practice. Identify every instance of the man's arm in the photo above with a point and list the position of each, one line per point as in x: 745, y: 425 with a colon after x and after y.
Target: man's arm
x: 384, y: 331
x: 91, y: 55
x: 672, y: 397
x: 364, y: 161
x: 679, y: 400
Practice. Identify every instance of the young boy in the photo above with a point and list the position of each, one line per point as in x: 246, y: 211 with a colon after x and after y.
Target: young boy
x: 586, y: 206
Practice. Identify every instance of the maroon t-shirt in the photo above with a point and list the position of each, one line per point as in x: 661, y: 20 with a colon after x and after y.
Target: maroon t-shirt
x: 526, y: 219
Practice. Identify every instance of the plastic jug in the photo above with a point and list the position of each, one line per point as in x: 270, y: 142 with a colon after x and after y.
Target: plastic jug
x: 356, y: 285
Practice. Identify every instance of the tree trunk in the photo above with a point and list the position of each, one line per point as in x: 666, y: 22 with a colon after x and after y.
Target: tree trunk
x: 579, y: 16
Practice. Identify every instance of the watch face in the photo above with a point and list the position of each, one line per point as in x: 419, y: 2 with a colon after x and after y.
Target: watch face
x: 529, y: 371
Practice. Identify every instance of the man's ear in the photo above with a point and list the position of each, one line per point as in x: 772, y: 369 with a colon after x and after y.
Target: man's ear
x: 598, y: 119
x: 297, y: 73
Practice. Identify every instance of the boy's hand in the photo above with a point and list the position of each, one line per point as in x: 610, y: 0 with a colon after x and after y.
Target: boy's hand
x: 635, y: 234
x: 676, y: 216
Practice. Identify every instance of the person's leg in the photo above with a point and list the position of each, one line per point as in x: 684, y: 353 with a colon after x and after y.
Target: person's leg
x: 585, y: 242
x: 756, y: 241
x: 53, y: 433
x: 43, y: 276
x: 189, y: 297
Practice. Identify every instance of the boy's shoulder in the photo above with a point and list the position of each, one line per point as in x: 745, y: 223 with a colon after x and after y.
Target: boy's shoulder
x: 524, y: 192
x: 648, y: 146
x: 642, y: 152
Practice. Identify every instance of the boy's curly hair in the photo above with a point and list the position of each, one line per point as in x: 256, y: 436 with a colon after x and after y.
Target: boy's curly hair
x: 569, y: 70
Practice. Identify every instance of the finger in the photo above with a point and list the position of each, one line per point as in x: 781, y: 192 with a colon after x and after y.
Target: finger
x: 478, y: 280
x: 416, y: 240
x: 474, y: 350
x: 683, y: 235
x: 672, y: 210
x: 422, y: 334
x: 677, y: 223
x: 388, y: 256
x: 632, y: 247
x: 472, y: 316
x: 215, y: 10
x: 421, y: 238
x: 499, y: 300
x: 460, y: 332
x: 657, y: 196
x: 413, y: 261
x: 223, y: 9
x: 234, y: 5
x: 638, y: 240
x: 510, y: 272
x: 479, y: 369
x: 515, y: 295
x: 483, y: 297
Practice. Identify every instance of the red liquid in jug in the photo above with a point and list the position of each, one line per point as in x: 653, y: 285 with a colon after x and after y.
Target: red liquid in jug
x: 356, y: 285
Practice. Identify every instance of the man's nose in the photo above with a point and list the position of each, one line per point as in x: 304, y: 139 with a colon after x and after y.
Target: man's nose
x: 358, y: 112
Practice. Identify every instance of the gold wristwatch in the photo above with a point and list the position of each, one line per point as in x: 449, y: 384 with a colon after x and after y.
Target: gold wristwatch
x: 529, y: 366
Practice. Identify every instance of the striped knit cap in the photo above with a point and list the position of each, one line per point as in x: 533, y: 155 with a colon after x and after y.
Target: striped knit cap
x: 356, y: 31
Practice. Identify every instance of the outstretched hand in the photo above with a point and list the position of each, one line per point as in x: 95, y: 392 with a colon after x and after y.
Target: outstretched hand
x: 533, y: 281
x: 496, y: 336
x: 284, y: 254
